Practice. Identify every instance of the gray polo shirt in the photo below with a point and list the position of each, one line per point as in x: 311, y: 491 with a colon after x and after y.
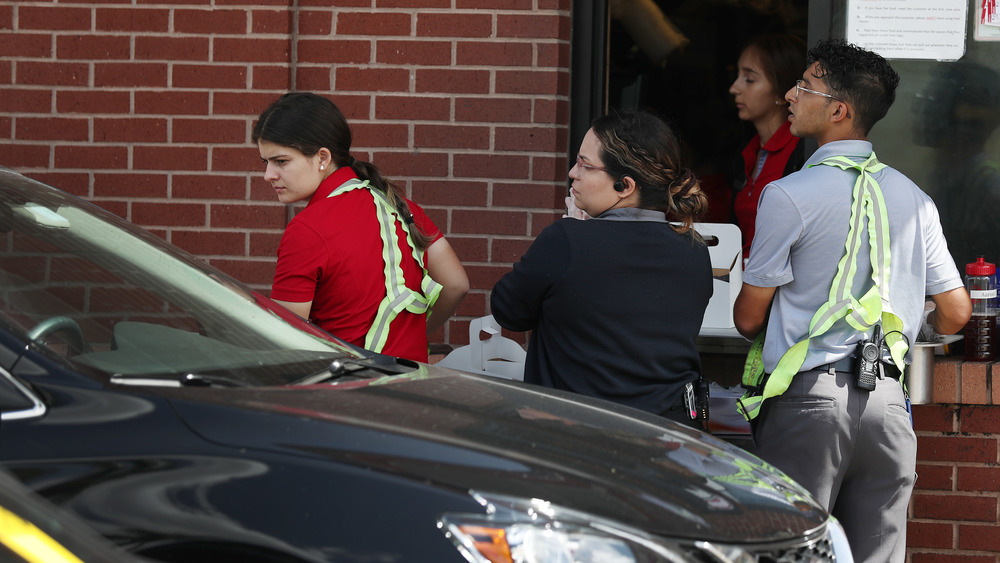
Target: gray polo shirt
x: 802, y: 226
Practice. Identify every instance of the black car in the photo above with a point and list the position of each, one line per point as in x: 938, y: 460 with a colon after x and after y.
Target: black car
x: 187, y: 418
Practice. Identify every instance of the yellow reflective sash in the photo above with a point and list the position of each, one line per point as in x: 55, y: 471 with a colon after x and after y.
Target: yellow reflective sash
x: 398, y: 297
x: 861, y: 314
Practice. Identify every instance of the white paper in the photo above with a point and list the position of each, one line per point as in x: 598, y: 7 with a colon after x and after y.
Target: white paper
x: 909, y: 29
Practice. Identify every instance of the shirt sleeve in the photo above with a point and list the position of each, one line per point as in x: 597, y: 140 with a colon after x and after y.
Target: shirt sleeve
x: 942, y: 273
x: 778, y: 227
x: 517, y: 299
x: 301, y: 258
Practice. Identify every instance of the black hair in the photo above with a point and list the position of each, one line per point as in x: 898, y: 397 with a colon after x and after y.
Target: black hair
x: 864, y: 79
x: 307, y: 123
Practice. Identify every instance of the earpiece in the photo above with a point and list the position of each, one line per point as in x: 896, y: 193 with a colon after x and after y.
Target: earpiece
x: 619, y: 185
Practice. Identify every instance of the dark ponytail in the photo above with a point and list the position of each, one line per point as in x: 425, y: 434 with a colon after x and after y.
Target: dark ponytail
x: 307, y: 123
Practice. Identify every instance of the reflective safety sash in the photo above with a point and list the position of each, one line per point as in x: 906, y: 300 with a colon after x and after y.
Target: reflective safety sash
x: 861, y: 314
x: 398, y: 297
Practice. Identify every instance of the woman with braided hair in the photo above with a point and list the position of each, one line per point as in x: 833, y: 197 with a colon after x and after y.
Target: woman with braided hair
x: 615, y: 302
x: 360, y: 261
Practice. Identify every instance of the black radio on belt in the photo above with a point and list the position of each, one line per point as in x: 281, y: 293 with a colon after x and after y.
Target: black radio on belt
x: 868, y: 365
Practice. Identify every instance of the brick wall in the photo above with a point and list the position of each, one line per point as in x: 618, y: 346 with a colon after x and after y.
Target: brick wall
x: 146, y: 109
x: 955, y: 508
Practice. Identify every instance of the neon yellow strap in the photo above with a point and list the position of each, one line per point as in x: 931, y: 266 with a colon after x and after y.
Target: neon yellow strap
x: 31, y: 543
x: 861, y: 314
x: 398, y: 297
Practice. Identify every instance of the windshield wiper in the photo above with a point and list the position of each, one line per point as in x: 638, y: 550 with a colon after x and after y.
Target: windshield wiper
x: 186, y: 380
x: 379, y: 363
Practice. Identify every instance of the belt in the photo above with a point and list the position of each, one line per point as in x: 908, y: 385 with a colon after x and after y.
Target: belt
x: 847, y: 365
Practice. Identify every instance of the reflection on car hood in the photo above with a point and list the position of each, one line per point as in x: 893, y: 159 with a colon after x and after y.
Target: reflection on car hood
x: 475, y: 432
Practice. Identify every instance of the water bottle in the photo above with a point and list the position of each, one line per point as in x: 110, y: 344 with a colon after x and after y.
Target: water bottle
x: 981, y: 331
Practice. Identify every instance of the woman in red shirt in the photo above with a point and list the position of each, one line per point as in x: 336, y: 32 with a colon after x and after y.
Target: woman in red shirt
x: 768, y: 66
x: 360, y: 261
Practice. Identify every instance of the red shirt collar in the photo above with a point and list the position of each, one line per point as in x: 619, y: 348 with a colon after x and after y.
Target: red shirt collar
x: 332, y: 182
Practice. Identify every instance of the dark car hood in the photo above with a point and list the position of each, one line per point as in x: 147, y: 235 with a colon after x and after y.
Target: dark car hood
x: 467, y: 432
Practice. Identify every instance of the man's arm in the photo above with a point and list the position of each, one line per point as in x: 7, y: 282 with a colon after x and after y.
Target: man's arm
x: 750, y: 309
x: 952, y: 310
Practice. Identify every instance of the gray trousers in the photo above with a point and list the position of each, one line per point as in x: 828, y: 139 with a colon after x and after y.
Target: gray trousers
x: 855, y: 451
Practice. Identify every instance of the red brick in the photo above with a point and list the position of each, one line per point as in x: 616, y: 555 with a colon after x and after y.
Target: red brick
x: 247, y: 271
x: 485, y: 276
x: 329, y: 51
x: 377, y: 24
x: 935, y: 418
x: 264, y: 244
x: 168, y: 214
x: 252, y: 216
x: 6, y: 71
x: 551, y: 169
x: 555, y: 55
x: 128, y: 185
x: 72, y: 182
x: 204, y: 186
x: 481, y: 221
x: 956, y: 448
x: 235, y: 159
x: 130, y: 75
x: 541, y: 220
x: 135, y: 130
x: 474, y: 305
x: 132, y: 19
x: 494, y: 54
x: 91, y: 157
x: 412, y: 108
x: 449, y: 193
x: 508, y: 251
x: 916, y: 557
x: 414, y: 4
x: 451, y: 136
x: 470, y: 249
x: 26, y: 156
x: 979, y: 538
x: 980, y: 419
x: 541, y: 82
x: 398, y: 165
x: 209, y: 131
x: 932, y: 535
x: 561, y: 5
x: 210, y: 242
x: 26, y: 100
x: 473, y: 165
x: 454, y: 24
x: 453, y: 81
x: 973, y: 383
x: 530, y: 138
x: 494, y: 5
x: 946, y: 380
x: 172, y: 102
x: 162, y: 157
x: 551, y: 111
x: 242, y: 103
x: 372, y: 80
x: 55, y: 74
x: 213, y: 21
x: 53, y: 18
x: 275, y: 78
x: 544, y: 196
x: 26, y: 45
x: 312, y: 79
x: 979, y: 478
x: 209, y: 76
x: 423, y: 53
x: 935, y: 477
x: 93, y: 101
x: 313, y: 22
x: 532, y: 25
x: 6, y: 17
x: 954, y: 507
x: 171, y: 48
x: 493, y: 110
x: 102, y: 47
x: 225, y: 49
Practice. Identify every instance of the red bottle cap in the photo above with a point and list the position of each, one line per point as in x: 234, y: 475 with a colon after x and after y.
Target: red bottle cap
x: 980, y: 268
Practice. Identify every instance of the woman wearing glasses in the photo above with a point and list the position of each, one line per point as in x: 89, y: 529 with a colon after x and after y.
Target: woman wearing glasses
x: 767, y: 68
x: 614, y: 303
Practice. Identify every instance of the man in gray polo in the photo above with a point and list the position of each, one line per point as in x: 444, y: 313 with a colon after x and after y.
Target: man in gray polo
x: 815, y: 287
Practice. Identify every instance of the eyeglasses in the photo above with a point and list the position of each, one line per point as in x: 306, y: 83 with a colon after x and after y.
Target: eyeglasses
x: 585, y: 166
x: 799, y: 87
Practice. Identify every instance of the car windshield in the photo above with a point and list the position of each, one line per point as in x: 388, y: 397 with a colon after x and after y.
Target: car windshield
x: 115, y: 301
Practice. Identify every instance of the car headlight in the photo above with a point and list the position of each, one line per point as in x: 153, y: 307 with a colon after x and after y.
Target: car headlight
x: 515, y: 530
